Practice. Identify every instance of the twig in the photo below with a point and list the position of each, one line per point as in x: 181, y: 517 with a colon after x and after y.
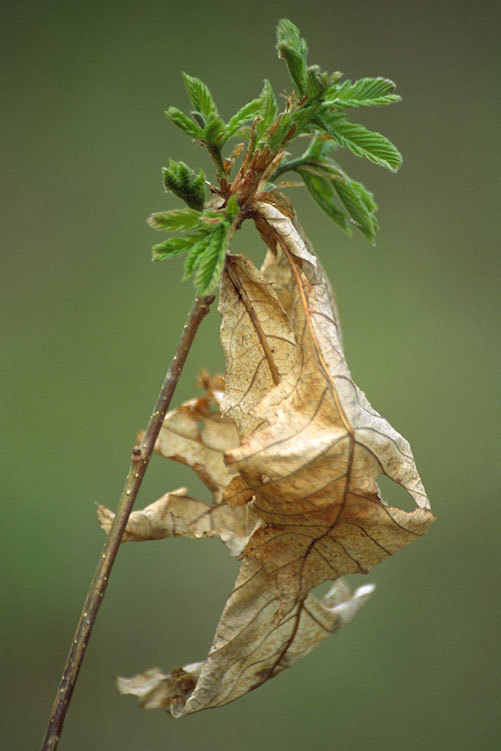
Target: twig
x: 139, y: 461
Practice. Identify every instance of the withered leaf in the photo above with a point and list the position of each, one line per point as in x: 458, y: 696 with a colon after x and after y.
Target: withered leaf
x: 312, y: 461
x: 291, y: 450
x: 252, y: 642
x: 249, y: 646
x: 197, y: 435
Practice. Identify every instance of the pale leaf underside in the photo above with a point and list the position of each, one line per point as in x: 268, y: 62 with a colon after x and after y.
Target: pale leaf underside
x: 292, y: 458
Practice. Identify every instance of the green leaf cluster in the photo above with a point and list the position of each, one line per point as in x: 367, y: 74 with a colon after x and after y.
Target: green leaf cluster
x: 184, y: 183
x: 324, y: 94
x: 308, y: 80
x: 325, y: 102
x: 345, y: 201
x: 319, y: 108
x: 203, y: 235
x: 206, y: 126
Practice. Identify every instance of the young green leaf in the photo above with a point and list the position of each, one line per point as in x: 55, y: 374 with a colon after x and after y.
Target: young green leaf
x: 183, y: 122
x: 176, y: 220
x: 320, y: 189
x: 304, y: 115
x: 315, y: 81
x: 200, y: 96
x: 269, y: 109
x: 211, y: 263
x: 179, y: 174
x: 352, y: 197
x: 173, y: 246
x: 365, y: 92
x: 213, y: 130
x: 248, y: 112
x: 364, y: 142
x: 232, y: 208
x: 366, y: 197
x: 293, y: 49
x: 284, y: 124
x: 184, y: 183
x: 195, y: 256
x: 356, y: 199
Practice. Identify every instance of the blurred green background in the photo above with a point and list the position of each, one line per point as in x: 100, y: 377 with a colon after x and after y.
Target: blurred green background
x: 89, y: 325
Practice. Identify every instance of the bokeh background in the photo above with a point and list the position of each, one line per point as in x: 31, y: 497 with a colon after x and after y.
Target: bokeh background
x: 89, y: 324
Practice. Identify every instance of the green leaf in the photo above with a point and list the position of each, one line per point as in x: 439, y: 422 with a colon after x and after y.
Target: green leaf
x: 365, y: 92
x: 183, y: 122
x: 304, y: 115
x: 211, y: 264
x: 315, y: 81
x: 213, y: 130
x: 200, y: 96
x: 293, y: 49
x: 356, y: 199
x: 213, y: 217
x: 184, y: 183
x: 248, y: 112
x: 173, y: 246
x: 269, y: 109
x: 232, y: 207
x: 364, y: 142
x: 359, y: 203
x: 267, y: 97
x: 283, y: 127
x: 176, y: 220
x: 195, y: 256
x: 319, y: 148
x: 320, y: 189
x: 181, y: 173
x: 366, y: 197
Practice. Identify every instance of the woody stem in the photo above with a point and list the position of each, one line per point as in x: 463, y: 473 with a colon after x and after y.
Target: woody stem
x: 140, y: 458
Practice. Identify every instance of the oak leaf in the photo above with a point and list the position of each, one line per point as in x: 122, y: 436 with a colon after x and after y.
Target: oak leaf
x: 291, y: 450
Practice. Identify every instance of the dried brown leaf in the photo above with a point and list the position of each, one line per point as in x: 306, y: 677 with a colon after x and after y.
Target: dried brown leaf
x: 292, y: 459
x: 312, y: 460
x: 253, y: 642
x: 195, y: 434
x: 250, y: 645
